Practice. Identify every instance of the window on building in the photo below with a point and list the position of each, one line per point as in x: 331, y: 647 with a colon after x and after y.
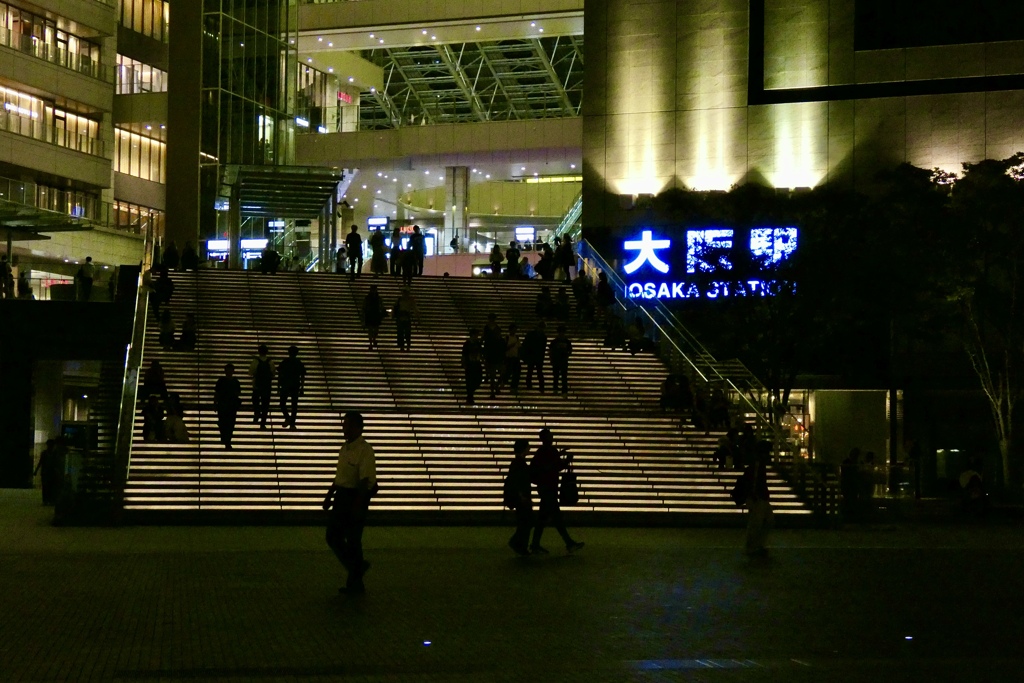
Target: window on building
x: 148, y: 17
x: 138, y: 220
x: 134, y: 77
x: 40, y: 36
x: 139, y: 156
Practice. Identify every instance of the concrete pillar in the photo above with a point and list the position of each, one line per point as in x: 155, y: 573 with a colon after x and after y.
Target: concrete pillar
x: 235, y: 228
x: 332, y: 253
x: 184, y: 123
x: 456, y: 210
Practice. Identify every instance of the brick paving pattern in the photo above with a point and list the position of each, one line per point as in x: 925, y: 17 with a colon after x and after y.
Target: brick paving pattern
x: 261, y: 604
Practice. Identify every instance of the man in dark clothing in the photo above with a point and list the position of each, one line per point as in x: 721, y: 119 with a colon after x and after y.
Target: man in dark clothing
x: 170, y: 258
x: 50, y: 466
x: 419, y: 249
x: 758, y: 501
x: 494, y: 352
x: 354, y: 247
x: 472, y: 352
x: 545, y: 470
x: 227, y: 399
x: 291, y: 376
x: 262, y: 372
x: 403, y: 311
x: 512, y: 261
x: 534, y: 346
x: 518, y: 497
x: 396, y: 249
x: 559, y: 351
x: 189, y: 257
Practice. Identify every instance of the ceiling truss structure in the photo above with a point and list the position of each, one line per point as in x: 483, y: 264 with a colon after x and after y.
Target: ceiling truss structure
x: 469, y: 82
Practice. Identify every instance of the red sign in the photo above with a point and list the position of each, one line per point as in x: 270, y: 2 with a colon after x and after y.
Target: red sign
x: 345, y: 97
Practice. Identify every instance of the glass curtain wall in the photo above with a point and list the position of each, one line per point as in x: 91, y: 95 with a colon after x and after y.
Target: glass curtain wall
x: 138, y: 220
x: 249, y: 63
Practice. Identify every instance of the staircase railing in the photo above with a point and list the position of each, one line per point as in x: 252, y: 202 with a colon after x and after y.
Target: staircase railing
x: 681, y: 350
x: 129, y: 396
x: 570, y: 223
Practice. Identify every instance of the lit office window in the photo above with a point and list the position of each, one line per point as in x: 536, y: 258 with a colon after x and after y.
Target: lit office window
x: 40, y: 37
x: 148, y: 17
x: 24, y: 114
x: 138, y: 219
x: 139, y: 156
x: 135, y: 77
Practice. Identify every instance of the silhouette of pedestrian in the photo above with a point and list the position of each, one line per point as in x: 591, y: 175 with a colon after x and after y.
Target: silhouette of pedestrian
x: 518, y: 497
x: 348, y: 500
x: 86, y: 275
x: 559, y: 351
x: 227, y: 399
x: 417, y: 244
x: 534, y: 347
x: 291, y: 377
x: 262, y: 372
x: 170, y: 258
x: 759, y: 507
x: 513, y: 365
x: 354, y: 248
x: 545, y: 468
x: 187, y: 338
x: 404, y: 310
x: 472, y: 352
x: 153, y: 382
x: 494, y: 352
x: 48, y: 465
x: 396, y: 250
x: 189, y: 257
x: 378, y: 256
x: 153, y: 420
x: 373, y: 314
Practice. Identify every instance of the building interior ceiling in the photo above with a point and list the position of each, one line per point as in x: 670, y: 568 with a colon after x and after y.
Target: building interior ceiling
x: 523, y: 78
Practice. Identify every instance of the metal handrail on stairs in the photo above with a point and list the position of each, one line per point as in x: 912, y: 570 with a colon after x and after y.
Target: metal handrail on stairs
x: 129, y: 396
x: 680, y: 349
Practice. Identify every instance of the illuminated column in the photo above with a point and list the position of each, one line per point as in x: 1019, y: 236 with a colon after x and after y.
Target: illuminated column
x: 456, y: 200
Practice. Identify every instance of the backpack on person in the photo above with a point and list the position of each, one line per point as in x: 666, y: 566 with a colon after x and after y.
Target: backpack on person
x: 740, y: 490
x: 568, y: 489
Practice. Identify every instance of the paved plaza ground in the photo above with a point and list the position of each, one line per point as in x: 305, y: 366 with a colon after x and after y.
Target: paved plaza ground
x: 886, y: 603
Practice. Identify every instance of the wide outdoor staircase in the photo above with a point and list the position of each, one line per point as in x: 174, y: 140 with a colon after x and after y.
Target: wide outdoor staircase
x: 437, y: 459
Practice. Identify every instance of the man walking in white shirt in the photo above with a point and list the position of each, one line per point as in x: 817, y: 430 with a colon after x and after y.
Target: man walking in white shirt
x: 348, y: 499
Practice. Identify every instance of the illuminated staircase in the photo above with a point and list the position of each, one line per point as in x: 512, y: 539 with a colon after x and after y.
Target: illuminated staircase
x: 434, y: 454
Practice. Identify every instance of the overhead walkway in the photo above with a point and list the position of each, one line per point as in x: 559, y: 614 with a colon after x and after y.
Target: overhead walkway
x: 437, y: 458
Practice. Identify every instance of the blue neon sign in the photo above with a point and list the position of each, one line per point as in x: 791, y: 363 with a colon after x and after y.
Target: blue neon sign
x: 709, y: 264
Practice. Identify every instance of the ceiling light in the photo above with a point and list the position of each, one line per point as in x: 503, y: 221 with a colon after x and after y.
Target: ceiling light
x: 149, y: 127
x: 241, y: 45
x: 427, y: 172
x: 373, y: 90
x: 330, y: 69
x: 433, y: 37
x: 424, y: 33
x: 477, y: 28
x: 572, y: 165
x: 162, y: 126
x: 378, y: 191
x: 381, y: 41
x: 351, y: 79
x: 541, y: 30
x: 364, y: 187
x: 379, y: 174
x: 310, y: 60
x: 409, y: 185
x: 533, y: 23
x: 488, y: 175
x: 474, y: 170
x: 319, y: 39
x: 292, y: 42
x: 372, y: 36
x: 523, y: 168
x: 330, y: 44
x: 394, y: 180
